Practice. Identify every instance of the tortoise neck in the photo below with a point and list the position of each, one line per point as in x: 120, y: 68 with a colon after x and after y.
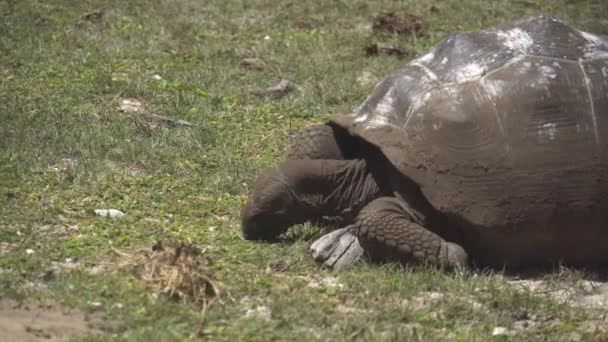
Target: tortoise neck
x: 333, y: 187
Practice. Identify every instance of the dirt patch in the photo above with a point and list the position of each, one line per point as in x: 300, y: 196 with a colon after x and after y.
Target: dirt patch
x: 584, y: 293
x: 592, y: 295
x: 399, y: 22
x: 35, y: 322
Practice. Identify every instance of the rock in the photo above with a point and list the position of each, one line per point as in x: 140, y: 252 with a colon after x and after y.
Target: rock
x: 109, y: 212
x: 502, y: 331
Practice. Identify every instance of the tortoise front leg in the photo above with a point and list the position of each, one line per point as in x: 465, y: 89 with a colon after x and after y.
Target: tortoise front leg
x: 386, y: 231
x: 321, y: 141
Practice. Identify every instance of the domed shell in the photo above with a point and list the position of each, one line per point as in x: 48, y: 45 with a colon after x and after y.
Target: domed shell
x: 503, y: 128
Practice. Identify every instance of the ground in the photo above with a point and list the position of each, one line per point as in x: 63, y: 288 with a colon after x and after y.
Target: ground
x: 91, y: 97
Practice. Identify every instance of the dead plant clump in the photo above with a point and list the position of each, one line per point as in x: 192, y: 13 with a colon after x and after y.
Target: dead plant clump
x: 399, y: 22
x: 182, y: 271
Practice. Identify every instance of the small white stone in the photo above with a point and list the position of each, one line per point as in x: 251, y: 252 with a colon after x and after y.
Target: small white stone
x: 29, y: 251
x: 502, y: 331
x: 109, y: 212
x: 267, y: 38
x: 157, y: 77
x: 95, y: 304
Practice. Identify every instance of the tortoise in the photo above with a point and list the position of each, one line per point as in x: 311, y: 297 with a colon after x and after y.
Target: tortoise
x: 490, y: 149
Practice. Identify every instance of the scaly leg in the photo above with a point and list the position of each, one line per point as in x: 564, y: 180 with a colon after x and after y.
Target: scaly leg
x: 387, y: 231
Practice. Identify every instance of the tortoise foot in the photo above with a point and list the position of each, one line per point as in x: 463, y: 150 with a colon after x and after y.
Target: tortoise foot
x: 338, y: 249
x: 454, y: 256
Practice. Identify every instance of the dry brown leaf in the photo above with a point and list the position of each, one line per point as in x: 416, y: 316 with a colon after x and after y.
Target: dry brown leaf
x: 253, y: 64
x: 277, y: 91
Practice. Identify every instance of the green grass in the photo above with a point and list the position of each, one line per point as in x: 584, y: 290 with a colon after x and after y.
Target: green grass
x: 66, y: 149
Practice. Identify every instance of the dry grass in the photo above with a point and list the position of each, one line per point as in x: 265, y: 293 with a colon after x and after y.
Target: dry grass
x: 179, y: 271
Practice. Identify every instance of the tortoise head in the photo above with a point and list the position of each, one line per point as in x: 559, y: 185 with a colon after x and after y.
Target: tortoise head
x: 271, y: 208
x: 297, y: 191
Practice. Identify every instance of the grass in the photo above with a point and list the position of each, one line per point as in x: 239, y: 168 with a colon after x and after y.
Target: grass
x: 66, y: 149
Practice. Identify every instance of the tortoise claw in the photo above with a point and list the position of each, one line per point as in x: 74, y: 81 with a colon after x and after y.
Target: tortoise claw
x: 454, y: 256
x: 338, y: 249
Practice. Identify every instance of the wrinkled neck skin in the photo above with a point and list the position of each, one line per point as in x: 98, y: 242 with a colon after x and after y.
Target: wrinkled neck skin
x: 331, y: 188
x: 297, y: 191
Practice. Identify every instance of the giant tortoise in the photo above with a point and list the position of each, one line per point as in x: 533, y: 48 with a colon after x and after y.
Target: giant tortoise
x: 491, y: 148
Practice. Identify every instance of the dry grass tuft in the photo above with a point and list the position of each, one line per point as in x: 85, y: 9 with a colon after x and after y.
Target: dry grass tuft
x: 181, y: 271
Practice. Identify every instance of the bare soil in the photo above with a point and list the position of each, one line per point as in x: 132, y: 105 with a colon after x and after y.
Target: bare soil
x: 34, y: 322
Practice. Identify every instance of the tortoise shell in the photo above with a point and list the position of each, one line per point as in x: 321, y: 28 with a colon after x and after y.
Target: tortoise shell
x: 503, y: 128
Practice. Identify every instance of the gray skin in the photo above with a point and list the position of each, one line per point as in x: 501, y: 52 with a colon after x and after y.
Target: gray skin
x: 492, y: 147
